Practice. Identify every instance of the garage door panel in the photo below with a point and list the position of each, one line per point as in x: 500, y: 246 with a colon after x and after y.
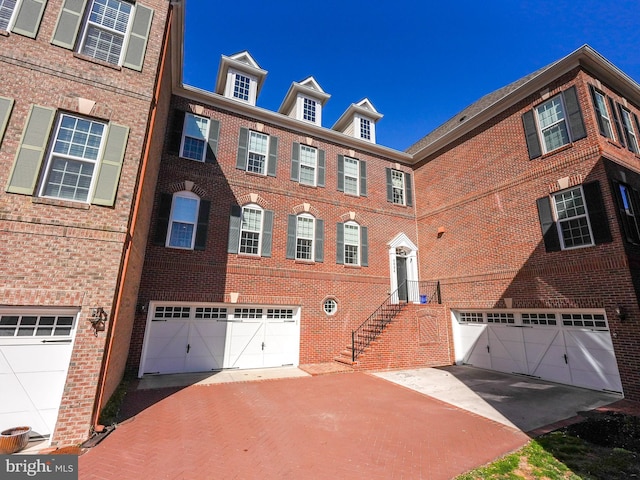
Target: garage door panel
x: 244, y: 345
x: 507, y: 349
x: 35, y: 357
x: 281, y: 346
x: 206, y: 342
x: 475, y: 341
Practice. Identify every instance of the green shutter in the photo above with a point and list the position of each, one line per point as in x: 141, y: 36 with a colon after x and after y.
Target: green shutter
x: 363, y: 178
x: 174, y: 138
x: 389, y: 186
x: 319, y: 247
x: 272, y: 165
x: 33, y: 144
x: 295, y: 162
x: 162, y: 222
x: 241, y: 158
x: 321, y: 168
x: 340, y: 244
x: 111, y: 165
x: 341, y: 173
x: 203, y: 225
x: 599, y: 114
x: 408, y: 189
x: 574, y: 114
x: 616, y: 120
x: 548, y: 225
x: 364, y: 246
x: 598, y: 217
x: 292, y: 222
x: 68, y: 23
x: 134, y: 58
x: 29, y: 17
x: 531, y: 135
x: 212, y: 141
x: 6, y: 105
x: 267, y: 233
x: 235, y: 220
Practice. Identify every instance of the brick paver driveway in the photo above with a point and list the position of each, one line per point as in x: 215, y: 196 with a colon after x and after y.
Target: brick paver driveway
x: 340, y: 426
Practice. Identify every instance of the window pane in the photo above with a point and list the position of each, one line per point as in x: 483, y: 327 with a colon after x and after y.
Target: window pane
x: 196, y: 127
x: 556, y: 136
x: 241, y: 87
x: 69, y: 179
x: 185, y: 209
x: 550, y: 112
x: 309, y: 110
x: 193, y: 149
x: 6, y: 11
x: 351, y: 255
x: 181, y: 235
x: 351, y: 234
x: 103, y: 45
x: 604, y: 115
x: 112, y: 14
x: 365, y: 129
x: 251, y: 219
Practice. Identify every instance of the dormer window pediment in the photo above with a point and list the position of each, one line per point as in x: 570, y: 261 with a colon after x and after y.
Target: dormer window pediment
x: 359, y: 121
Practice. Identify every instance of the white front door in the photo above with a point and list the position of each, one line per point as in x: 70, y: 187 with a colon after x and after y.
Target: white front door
x: 35, y: 350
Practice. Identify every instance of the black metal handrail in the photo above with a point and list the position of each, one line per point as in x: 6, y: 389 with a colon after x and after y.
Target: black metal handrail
x: 372, y: 327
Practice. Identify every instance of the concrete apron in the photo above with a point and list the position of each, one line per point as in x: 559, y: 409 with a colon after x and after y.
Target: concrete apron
x: 518, y: 401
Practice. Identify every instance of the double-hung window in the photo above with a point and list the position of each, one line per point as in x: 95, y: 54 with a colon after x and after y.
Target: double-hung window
x: 304, y: 237
x: 572, y: 218
x: 628, y: 199
x: 184, y: 220
x: 308, y: 165
x: 552, y: 123
x: 194, y: 137
x: 632, y: 138
x: 250, y: 230
x: 73, y: 158
x: 602, y: 113
x: 257, y: 150
x: 7, y: 11
x: 399, y: 189
x: 351, y: 176
x: 351, y: 243
x: 106, y: 30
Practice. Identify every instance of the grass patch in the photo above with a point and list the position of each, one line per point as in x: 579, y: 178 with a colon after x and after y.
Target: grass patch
x: 603, y: 447
x: 110, y: 412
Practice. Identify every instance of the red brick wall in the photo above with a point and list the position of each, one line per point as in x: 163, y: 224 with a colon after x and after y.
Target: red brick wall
x: 419, y: 336
x: 483, y: 190
x: 61, y: 253
x: 211, y: 275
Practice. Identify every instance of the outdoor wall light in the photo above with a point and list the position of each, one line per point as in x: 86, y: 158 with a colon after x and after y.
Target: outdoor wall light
x: 98, y: 320
x: 620, y: 313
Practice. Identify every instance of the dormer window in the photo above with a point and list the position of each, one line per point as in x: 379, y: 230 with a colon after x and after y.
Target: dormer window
x: 309, y: 110
x: 240, y: 78
x: 359, y: 121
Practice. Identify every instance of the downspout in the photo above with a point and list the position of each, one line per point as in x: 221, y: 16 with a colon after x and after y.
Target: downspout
x: 132, y: 224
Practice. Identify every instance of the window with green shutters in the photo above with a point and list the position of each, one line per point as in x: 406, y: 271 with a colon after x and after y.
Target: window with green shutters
x: 68, y: 157
x: 112, y: 31
x: 250, y: 230
x: 21, y: 16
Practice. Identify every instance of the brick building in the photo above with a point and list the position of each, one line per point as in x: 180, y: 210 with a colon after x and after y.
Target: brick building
x: 77, y: 92
x: 210, y: 233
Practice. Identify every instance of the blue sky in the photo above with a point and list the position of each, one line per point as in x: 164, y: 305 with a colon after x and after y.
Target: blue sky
x: 419, y: 62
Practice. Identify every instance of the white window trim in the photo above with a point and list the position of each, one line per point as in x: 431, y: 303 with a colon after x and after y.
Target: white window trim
x: 183, y: 194
x: 313, y: 237
x: 543, y: 143
x: 605, y: 113
x: 266, y: 153
x: 300, y: 109
x: 252, y: 206
x: 231, y: 82
x: 404, y: 188
x: 12, y: 19
x: 359, y: 245
x: 628, y: 123
x: 315, y: 166
x: 205, y: 138
x: 51, y: 154
x: 126, y: 34
x: 585, y: 215
x: 358, y: 128
x: 357, y: 192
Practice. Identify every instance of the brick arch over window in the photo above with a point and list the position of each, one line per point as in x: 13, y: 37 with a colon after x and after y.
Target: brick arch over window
x: 188, y: 186
x: 253, y: 198
x: 306, y: 208
x: 351, y: 216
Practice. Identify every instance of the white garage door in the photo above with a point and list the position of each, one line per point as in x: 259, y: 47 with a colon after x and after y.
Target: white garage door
x: 574, y: 348
x: 35, y: 350
x: 199, y: 338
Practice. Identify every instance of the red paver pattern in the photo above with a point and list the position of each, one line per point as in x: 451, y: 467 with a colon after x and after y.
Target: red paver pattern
x: 344, y: 426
